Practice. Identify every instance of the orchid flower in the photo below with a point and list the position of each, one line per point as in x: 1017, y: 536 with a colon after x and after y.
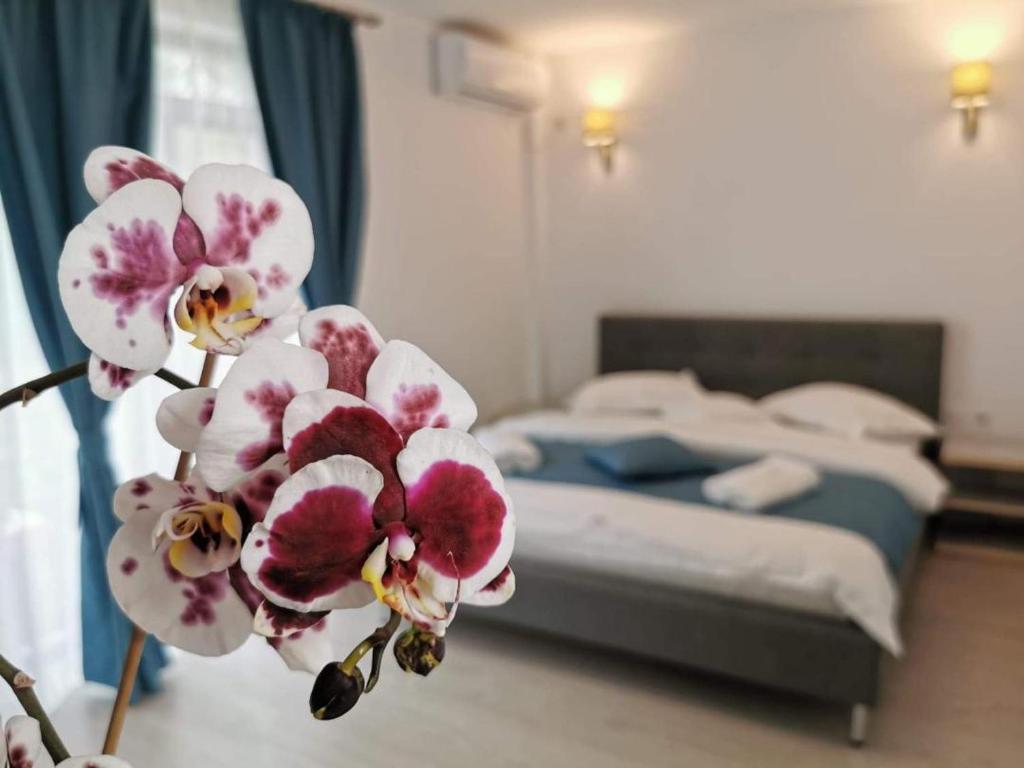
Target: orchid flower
x: 237, y: 242
x: 21, y: 746
x: 439, y: 528
x: 173, y: 566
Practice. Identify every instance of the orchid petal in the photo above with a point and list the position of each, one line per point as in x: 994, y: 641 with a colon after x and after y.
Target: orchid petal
x: 307, y: 553
x: 181, y: 417
x: 108, y: 381
x: 496, y: 592
x: 349, y: 342
x: 245, y: 429
x: 414, y: 392
x: 274, y: 621
x: 100, y: 761
x: 203, y: 616
x: 154, y: 492
x: 25, y: 744
x: 252, y: 496
x: 254, y: 222
x: 456, y: 502
x: 332, y: 423
x: 282, y: 326
x: 304, y: 651
x: 109, y: 168
x: 118, y: 271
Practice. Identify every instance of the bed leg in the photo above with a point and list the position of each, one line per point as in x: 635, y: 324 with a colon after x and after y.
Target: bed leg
x: 860, y: 714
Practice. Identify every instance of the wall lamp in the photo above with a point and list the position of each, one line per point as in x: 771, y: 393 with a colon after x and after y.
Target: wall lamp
x: 971, y: 83
x: 599, y: 133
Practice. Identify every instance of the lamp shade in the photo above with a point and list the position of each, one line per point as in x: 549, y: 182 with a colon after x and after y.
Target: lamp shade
x: 599, y: 127
x: 971, y: 83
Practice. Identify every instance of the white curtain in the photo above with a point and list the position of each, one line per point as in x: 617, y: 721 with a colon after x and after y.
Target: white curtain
x: 206, y: 110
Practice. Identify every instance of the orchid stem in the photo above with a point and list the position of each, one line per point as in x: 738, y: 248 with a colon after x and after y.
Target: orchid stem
x: 25, y: 392
x: 376, y: 642
x: 22, y: 684
x: 133, y: 656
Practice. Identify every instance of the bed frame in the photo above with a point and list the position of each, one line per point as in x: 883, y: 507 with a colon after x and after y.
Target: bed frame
x: 828, y: 658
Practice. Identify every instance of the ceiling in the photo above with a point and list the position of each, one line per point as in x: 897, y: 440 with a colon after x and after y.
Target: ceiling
x: 552, y: 26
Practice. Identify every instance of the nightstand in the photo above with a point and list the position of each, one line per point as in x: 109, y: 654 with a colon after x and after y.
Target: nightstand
x: 986, y: 476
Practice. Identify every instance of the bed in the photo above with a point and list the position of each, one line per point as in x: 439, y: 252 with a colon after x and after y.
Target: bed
x: 694, y: 623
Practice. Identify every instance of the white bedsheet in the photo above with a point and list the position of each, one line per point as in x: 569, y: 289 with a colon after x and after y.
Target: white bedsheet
x: 790, y: 563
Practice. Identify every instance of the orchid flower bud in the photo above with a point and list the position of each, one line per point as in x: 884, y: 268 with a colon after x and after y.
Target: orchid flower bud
x: 419, y: 651
x: 335, y: 691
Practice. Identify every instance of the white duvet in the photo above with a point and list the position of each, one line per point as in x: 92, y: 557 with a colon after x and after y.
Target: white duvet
x: 791, y: 563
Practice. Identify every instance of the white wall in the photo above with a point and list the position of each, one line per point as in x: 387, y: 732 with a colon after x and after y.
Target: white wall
x: 445, y: 250
x: 801, y: 165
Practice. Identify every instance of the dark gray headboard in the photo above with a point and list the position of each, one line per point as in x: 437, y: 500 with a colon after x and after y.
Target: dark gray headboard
x: 756, y: 356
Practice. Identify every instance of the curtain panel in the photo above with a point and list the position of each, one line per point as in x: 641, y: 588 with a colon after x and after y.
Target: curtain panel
x: 74, y: 74
x: 307, y: 79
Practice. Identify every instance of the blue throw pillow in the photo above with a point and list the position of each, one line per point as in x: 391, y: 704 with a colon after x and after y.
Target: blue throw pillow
x: 656, y: 456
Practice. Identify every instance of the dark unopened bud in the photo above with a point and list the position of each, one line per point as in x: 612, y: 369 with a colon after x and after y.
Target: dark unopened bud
x: 335, y: 691
x: 419, y: 651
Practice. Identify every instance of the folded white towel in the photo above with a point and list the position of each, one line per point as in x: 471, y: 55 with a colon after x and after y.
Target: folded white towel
x: 761, y: 484
x: 511, y: 451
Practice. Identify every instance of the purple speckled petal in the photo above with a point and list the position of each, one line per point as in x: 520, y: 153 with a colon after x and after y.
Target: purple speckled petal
x: 414, y: 392
x: 108, y: 381
x: 202, y: 615
x: 181, y: 416
x: 349, y: 342
x: 274, y: 621
x: 308, y: 552
x: 457, y: 508
x: 24, y: 744
x: 109, y: 168
x: 245, y: 429
x: 117, y: 273
x: 254, y: 222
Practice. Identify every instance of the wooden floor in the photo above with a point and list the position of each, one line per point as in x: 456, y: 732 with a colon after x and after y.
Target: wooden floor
x: 517, y: 700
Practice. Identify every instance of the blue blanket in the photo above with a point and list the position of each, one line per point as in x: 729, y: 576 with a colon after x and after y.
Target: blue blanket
x: 868, y: 507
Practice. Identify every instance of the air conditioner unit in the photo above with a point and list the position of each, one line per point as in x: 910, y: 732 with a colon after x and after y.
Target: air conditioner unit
x: 470, y: 69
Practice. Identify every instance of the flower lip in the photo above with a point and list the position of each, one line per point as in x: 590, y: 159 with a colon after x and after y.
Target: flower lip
x: 206, y: 536
x: 216, y: 305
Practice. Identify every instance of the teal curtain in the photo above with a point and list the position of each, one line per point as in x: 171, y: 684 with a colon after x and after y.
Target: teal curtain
x: 307, y: 80
x: 74, y: 74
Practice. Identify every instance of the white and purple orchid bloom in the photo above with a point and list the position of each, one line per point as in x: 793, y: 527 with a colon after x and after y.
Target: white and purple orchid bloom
x: 173, y: 565
x: 21, y: 746
x: 236, y: 242
x: 389, y: 496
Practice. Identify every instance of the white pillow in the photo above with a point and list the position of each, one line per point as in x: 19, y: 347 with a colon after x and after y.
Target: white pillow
x: 848, y: 410
x: 716, y: 406
x: 635, y: 392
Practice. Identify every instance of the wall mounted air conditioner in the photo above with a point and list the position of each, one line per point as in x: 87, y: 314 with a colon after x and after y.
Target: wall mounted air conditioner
x: 470, y: 69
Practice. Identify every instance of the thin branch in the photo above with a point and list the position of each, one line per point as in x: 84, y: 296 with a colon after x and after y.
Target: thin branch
x: 23, y: 393
x: 22, y: 684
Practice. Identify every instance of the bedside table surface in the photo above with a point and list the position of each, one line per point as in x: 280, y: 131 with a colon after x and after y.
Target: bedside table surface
x: 984, y: 452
